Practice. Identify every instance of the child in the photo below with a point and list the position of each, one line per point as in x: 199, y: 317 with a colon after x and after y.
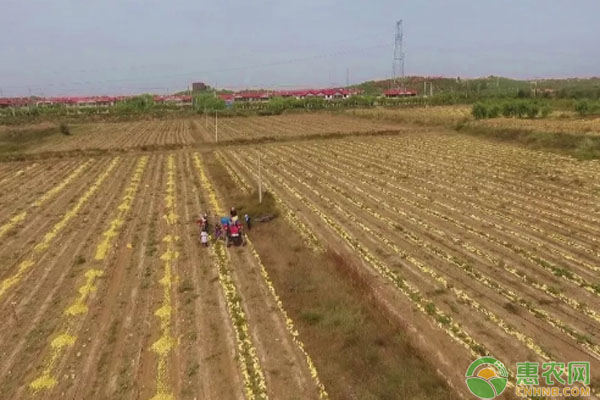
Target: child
x: 204, y: 238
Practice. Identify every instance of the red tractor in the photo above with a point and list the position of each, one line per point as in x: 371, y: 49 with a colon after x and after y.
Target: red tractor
x: 233, y: 231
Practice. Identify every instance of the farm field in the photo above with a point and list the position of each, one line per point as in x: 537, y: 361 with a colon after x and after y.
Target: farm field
x: 430, y: 116
x: 100, y: 284
x: 449, y: 116
x: 394, y: 261
x: 177, y: 133
x: 496, y: 246
x: 571, y: 125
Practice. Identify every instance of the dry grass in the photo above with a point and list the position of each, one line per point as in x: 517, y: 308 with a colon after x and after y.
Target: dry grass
x: 428, y: 116
x: 571, y: 125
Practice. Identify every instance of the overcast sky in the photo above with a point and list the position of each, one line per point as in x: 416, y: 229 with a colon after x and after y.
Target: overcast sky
x: 70, y: 47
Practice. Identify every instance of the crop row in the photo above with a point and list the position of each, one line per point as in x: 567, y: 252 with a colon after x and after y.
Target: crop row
x: 40, y: 247
x: 166, y: 342
x: 422, y: 303
x: 288, y: 126
x: 521, y: 199
x: 494, y: 174
x: 20, y: 217
x: 460, y: 295
x: 463, y: 266
x: 72, y: 315
x: 254, y: 381
x: 367, y: 179
x: 122, y: 135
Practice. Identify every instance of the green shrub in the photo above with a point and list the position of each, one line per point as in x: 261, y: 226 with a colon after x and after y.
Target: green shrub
x: 521, y: 109
x: 545, y: 111
x: 508, y: 110
x: 583, y: 107
x: 493, y: 111
x: 532, y: 110
x: 479, y: 111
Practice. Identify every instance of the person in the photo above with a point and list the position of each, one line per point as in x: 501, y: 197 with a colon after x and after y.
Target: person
x: 205, y: 225
x: 204, y: 238
x: 200, y: 223
x: 218, y: 231
x: 248, y: 221
x: 203, y: 221
x: 233, y: 212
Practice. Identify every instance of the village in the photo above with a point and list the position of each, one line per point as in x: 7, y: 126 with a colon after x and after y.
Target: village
x: 187, y: 99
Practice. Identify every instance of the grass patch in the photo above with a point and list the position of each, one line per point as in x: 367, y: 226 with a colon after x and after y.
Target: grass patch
x: 311, y: 317
x: 249, y: 204
x: 17, y: 140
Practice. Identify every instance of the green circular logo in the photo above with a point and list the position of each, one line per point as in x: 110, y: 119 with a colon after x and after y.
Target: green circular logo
x: 486, y: 378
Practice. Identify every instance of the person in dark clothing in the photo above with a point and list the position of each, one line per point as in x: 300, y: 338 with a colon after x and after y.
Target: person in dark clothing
x: 248, y: 221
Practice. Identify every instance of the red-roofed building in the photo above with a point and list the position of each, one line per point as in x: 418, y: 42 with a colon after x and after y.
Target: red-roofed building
x: 327, y: 94
x: 252, y: 96
x: 173, y: 100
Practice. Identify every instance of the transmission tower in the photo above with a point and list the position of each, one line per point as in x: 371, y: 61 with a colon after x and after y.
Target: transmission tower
x: 398, y: 64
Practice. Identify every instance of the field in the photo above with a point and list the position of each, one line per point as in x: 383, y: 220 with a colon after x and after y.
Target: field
x: 581, y: 126
x: 178, y: 133
x: 395, y: 260
x: 558, y: 122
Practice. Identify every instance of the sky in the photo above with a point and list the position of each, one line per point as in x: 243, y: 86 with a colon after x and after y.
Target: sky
x: 74, y: 47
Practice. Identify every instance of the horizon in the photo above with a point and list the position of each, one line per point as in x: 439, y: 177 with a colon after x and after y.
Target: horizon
x: 71, y: 49
x: 178, y: 92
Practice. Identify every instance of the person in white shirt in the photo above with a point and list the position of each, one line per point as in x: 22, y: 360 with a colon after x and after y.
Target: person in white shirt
x: 204, y: 238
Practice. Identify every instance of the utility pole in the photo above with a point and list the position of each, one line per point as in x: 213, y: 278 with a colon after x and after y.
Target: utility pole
x: 205, y: 118
x: 216, y: 127
x: 424, y: 88
x: 259, y: 181
x: 347, y: 76
x: 398, y: 64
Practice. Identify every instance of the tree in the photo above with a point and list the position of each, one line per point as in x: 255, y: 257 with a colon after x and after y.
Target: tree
x: 207, y: 101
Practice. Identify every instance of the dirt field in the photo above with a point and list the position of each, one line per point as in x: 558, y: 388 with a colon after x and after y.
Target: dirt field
x: 178, y: 133
x: 393, y: 263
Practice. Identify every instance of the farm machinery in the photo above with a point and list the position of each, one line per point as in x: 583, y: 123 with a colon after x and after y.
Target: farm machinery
x: 232, y: 231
